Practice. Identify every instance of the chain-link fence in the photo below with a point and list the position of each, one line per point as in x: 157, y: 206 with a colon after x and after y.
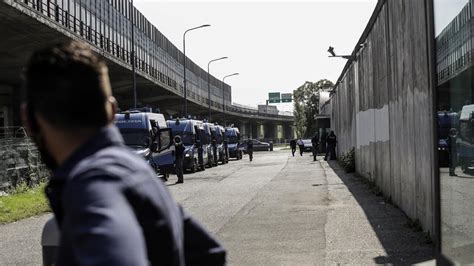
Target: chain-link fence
x: 19, y: 159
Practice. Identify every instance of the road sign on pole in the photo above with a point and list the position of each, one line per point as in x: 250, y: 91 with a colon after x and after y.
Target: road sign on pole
x: 286, y: 97
x: 274, y: 97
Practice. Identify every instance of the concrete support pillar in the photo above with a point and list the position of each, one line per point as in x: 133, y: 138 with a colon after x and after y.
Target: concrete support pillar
x: 8, y: 103
x: 270, y: 131
x: 279, y: 133
x: 248, y: 130
x: 243, y: 129
x: 254, y: 130
x: 261, y: 131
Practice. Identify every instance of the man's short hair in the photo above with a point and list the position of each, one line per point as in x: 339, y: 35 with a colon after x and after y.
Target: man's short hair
x: 68, y: 85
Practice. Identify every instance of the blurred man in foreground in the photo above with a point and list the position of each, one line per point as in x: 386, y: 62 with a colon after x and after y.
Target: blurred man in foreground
x: 110, y: 208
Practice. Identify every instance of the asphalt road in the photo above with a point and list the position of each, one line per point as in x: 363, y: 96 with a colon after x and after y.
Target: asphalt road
x: 276, y: 210
x: 457, y: 214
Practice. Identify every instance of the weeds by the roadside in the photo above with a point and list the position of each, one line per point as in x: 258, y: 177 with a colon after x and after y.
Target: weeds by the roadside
x: 23, y: 202
x: 348, y: 161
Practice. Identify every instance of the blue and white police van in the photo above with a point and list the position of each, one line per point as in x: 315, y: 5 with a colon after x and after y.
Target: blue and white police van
x: 232, y: 139
x: 220, y: 150
x: 149, y: 136
x: 194, y: 138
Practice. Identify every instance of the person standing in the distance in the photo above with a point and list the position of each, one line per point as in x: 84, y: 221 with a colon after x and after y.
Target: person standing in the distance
x: 452, y: 150
x: 331, y: 141
x: 179, y: 153
x: 110, y: 207
x: 226, y: 151
x: 293, y: 147
x: 300, y: 146
x: 315, y: 143
x: 200, y: 154
x: 250, y: 149
x: 214, y: 149
x: 323, y: 142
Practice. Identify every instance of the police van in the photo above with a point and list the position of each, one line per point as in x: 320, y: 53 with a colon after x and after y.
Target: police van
x: 232, y: 139
x: 211, y: 149
x: 194, y: 138
x: 149, y: 136
x: 220, y: 151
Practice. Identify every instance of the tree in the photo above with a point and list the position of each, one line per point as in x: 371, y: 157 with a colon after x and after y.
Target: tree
x: 300, y: 119
x: 306, y: 106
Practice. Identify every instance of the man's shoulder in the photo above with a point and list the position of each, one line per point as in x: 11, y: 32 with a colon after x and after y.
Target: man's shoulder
x: 112, y: 172
x: 113, y: 161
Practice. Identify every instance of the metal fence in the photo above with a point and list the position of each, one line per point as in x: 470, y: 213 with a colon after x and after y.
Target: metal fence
x: 19, y: 159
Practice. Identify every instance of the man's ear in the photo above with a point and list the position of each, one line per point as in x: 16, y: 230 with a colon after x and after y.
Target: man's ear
x: 111, y: 108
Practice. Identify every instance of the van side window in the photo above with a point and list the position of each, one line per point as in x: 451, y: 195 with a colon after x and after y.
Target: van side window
x: 154, y: 130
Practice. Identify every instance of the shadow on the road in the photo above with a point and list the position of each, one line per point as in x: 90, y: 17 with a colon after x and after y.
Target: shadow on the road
x: 403, y: 244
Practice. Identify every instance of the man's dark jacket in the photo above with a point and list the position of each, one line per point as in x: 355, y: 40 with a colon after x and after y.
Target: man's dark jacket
x: 293, y: 143
x: 112, y: 210
x: 179, y: 150
x: 331, y: 140
x: 315, y: 141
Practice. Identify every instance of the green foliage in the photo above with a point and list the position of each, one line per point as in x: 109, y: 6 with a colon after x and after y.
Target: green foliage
x: 21, y: 187
x: 300, y: 119
x: 23, y: 202
x: 306, y: 106
x: 348, y: 161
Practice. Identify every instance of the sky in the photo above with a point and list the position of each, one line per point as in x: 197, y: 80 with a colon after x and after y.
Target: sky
x: 275, y: 46
x: 445, y: 11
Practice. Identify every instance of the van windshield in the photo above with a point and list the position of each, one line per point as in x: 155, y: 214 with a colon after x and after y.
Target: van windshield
x: 136, y: 138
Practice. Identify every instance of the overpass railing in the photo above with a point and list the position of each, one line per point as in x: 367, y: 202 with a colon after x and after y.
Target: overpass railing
x: 107, y: 25
x: 160, y: 62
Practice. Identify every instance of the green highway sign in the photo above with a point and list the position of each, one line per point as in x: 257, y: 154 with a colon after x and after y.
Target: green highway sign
x: 273, y: 97
x: 286, y: 97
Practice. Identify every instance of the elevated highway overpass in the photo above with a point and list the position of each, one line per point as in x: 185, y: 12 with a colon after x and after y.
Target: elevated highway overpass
x: 27, y: 25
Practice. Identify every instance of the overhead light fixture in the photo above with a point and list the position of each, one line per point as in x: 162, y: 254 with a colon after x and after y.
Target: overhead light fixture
x: 331, y: 51
x: 333, y: 54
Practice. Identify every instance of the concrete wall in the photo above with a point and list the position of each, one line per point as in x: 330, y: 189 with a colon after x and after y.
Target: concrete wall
x: 382, y: 106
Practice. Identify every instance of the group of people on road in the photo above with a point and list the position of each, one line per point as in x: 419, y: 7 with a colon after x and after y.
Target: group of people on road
x: 329, y: 146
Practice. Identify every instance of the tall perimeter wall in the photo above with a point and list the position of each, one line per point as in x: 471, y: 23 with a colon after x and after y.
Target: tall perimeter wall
x: 382, y: 106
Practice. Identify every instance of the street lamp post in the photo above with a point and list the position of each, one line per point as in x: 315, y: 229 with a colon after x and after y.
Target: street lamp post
x: 132, y: 57
x: 223, y: 93
x: 184, y: 78
x: 209, y: 84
